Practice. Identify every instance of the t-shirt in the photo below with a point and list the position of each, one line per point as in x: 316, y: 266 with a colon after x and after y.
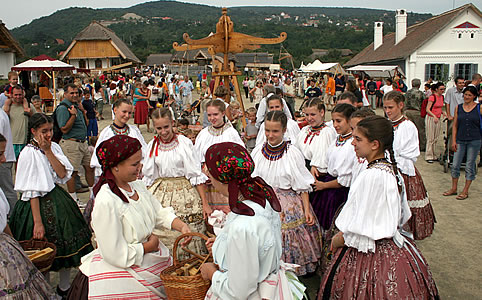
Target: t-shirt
x: 453, y: 98
x: 19, y: 123
x: 251, y: 130
x: 89, y: 107
x: 312, y: 92
x: 386, y: 88
x: 330, y: 86
x: 438, y: 103
x: 339, y: 81
x: 79, y: 129
x: 289, y: 89
x: 371, y: 88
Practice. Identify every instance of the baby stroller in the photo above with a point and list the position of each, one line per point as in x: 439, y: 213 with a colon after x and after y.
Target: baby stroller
x: 190, y: 112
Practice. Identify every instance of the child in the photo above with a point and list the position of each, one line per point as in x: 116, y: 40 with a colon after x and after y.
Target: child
x: 251, y: 130
x: 359, y: 164
x: 89, y: 106
x: 281, y: 165
x: 13, y: 82
x: 183, y: 126
x: 236, y: 115
x: 405, y: 146
x: 373, y: 260
x: 37, y: 103
x: 300, y: 119
x: 331, y: 189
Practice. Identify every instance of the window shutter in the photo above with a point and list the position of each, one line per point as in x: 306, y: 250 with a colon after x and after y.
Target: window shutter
x: 427, y: 72
x: 445, y: 74
x: 457, y: 71
x: 474, y: 70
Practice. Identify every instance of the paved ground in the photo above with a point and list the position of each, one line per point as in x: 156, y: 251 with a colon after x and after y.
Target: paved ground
x: 452, y: 249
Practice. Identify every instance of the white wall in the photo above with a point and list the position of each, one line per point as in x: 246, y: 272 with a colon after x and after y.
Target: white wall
x: 7, y: 61
x: 447, y: 48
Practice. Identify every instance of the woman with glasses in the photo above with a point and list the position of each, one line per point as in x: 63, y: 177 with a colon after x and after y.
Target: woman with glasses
x: 432, y: 120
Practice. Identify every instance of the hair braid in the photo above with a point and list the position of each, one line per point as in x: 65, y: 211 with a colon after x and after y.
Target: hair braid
x: 395, y: 168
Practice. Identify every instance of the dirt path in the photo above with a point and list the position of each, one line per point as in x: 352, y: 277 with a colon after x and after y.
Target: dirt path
x: 452, y: 250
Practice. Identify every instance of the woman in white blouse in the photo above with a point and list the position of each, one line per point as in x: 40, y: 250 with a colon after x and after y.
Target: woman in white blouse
x: 373, y: 260
x: 248, y: 249
x: 45, y: 210
x: 129, y: 257
x: 282, y: 166
x: 219, y: 131
x: 172, y: 171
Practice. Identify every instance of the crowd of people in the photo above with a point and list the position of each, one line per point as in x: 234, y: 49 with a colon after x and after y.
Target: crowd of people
x: 291, y: 193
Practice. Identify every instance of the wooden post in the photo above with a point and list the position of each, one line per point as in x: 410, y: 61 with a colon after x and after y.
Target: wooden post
x: 55, y: 90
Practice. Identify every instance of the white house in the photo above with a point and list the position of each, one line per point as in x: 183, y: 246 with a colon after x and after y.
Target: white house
x: 442, y: 47
x: 10, y: 50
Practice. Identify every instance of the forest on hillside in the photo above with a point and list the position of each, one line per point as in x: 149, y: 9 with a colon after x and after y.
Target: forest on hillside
x: 160, y: 23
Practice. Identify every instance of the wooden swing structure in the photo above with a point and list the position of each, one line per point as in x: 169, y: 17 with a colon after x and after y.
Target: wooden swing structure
x: 226, y: 41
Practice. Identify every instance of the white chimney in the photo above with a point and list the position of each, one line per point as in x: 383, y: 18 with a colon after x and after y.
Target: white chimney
x: 378, y: 35
x: 400, y: 25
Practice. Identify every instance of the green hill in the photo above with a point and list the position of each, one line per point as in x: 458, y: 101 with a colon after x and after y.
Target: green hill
x: 163, y: 22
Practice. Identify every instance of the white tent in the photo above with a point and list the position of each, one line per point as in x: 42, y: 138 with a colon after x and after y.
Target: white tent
x: 318, y: 66
x: 378, y: 71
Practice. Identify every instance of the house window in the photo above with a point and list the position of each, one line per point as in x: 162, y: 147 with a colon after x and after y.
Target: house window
x: 465, y: 70
x: 438, y: 72
x: 98, y: 63
x: 472, y: 35
x: 460, y: 35
x: 82, y: 64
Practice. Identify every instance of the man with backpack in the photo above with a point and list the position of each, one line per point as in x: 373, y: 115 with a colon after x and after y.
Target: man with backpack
x: 413, y: 105
x: 71, y: 121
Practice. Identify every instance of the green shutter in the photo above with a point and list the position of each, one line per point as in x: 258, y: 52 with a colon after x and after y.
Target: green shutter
x: 427, y: 72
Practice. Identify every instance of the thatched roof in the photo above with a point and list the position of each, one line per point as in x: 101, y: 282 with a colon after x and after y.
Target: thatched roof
x: 417, y: 35
x: 6, y: 39
x: 95, y: 32
x: 158, y: 59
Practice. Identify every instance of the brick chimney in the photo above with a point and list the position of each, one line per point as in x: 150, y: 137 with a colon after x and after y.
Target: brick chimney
x: 378, y: 35
x: 400, y: 25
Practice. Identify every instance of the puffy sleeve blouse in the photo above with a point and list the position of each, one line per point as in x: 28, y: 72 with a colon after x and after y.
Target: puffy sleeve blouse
x: 405, y: 147
x: 35, y: 175
x: 175, y: 159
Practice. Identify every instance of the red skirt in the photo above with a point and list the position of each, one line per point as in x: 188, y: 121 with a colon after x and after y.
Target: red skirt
x: 421, y: 224
x: 142, y: 112
x: 389, y: 273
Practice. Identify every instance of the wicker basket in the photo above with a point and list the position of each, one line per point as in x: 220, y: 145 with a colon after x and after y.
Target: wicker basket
x: 184, y: 287
x: 43, y: 264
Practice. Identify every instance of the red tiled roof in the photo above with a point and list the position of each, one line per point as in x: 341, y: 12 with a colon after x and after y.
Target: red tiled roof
x: 417, y: 35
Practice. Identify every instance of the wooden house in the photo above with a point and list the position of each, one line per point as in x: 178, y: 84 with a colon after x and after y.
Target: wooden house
x: 98, y: 47
x: 10, y: 50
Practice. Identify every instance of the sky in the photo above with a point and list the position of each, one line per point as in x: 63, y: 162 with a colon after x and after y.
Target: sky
x: 22, y: 12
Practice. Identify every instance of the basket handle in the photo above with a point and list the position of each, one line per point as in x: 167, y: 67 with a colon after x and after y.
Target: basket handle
x: 179, y: 238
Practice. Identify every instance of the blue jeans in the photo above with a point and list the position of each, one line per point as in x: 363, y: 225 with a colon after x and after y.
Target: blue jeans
x: 471, y: 149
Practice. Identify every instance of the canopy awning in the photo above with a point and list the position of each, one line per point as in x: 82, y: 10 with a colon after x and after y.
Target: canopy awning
x: 318, y: 66
x: 42, y: 63
x: 378, y: 70
x: 118, y: 67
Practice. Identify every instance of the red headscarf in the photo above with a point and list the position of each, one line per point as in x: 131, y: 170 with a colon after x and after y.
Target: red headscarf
x: 110, y: 153
x: 231, y: 163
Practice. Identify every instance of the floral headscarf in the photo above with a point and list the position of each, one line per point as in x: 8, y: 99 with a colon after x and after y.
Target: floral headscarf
x: 231, y: 163
x: 110, y: 153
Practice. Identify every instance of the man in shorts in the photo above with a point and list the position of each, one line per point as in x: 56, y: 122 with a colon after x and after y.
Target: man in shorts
x: 73, y: 124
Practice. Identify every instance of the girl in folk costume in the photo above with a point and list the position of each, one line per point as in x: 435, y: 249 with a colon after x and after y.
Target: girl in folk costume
x: 172, y: 171
x: 219, y: 131
x: 20, y: 278
x: 373, y: 260
x: 292, y: 129
x: 359, y: 163
x: 315, y: 138
x: 122, y: 114
x: 129, y: 257
x: 46, y: 210
x: 281, y: 165
x: 331, y: 189
x: 405, y: 146
x: 248, y: 249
